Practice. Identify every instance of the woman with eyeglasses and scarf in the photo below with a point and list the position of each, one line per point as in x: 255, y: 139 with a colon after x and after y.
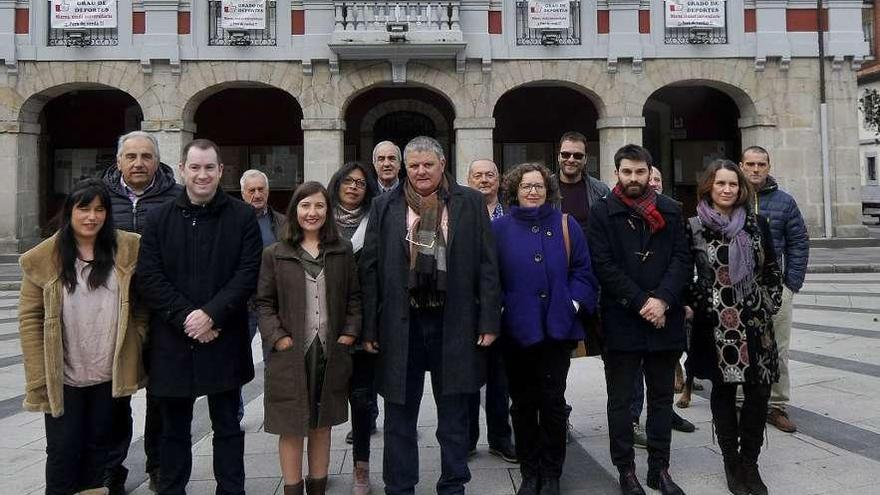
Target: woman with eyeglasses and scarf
x: 737, y: 290
x: 352, y: 188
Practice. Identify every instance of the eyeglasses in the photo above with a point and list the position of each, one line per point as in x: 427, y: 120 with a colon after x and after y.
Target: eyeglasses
x: 567, y: 154
x: 358, y: 183
x: 527, y: 188
x: 425, y: 240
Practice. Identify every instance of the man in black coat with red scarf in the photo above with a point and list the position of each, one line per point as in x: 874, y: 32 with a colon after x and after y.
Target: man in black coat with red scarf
x: 640, y: 255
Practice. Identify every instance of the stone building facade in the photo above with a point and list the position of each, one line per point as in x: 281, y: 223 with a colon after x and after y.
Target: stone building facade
x: 326, y: 82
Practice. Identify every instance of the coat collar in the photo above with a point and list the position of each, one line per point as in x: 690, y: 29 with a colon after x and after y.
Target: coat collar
x: 284, y: 250
x: 40, y: 264
x: 218, y: 201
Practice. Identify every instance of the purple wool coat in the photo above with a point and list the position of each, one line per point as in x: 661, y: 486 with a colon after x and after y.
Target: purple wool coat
x: 538, y: 285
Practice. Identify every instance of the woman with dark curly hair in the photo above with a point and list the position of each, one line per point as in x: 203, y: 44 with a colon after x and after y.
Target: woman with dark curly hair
x: 737, y: 290
x: 546, y: 277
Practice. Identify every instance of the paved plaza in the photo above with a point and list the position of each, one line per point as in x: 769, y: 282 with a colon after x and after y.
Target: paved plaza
x: 835, y: 403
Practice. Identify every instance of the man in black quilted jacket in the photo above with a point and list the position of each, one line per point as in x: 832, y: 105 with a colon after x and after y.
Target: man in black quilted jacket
x: 792, y: 245
x: 138, y: 183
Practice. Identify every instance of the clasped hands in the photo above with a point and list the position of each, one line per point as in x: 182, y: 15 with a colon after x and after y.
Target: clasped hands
x: 654, y: 311
x: 199, y: 326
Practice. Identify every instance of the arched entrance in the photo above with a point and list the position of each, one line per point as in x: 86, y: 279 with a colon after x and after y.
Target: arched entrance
x: 79, y: 130
x: 530, y: 120
x: 270, y: 140
x: 686, y: 127
x: 397, y: 115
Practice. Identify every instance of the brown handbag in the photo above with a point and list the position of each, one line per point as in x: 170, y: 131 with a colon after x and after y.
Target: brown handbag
x: 592, y: 344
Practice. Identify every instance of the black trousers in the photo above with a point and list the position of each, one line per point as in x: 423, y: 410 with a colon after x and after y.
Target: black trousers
x: 364, y: 409
x: 120, y: 440
x: 152, y: 433
x: 620, y: 372
x: 536, y: 378
x: 746, y: 433
x: 175, y: 461
x: 498, y: 428
x: 78, y: 442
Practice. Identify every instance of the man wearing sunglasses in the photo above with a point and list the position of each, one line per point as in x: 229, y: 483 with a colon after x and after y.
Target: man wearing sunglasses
x: 579, y: 190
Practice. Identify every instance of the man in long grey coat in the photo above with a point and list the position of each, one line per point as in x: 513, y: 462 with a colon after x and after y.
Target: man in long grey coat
x: 431, y: 303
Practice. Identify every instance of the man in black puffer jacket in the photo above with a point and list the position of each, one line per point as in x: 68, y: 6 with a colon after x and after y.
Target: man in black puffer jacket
x: 792, y: 245
x: 138, y: 184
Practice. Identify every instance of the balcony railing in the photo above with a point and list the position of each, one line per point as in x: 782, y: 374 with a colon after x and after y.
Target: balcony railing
x: 415, y: 20
x: 544, y: 36
x: 218, y: 36
x: 697, y: 34
x: 80, y: 37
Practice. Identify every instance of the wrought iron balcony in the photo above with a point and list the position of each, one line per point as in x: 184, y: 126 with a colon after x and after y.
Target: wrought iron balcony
x: 80, y: 37
x: 394, y: 21
x: 570, y: 35
x: 220, y: 36
x: 697, y: 34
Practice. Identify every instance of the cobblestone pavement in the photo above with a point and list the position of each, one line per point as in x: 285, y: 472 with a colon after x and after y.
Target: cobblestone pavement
x: 835, y: 402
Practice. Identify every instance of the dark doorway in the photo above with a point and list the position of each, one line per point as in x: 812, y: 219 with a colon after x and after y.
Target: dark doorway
x: 270, y: 139
x: 686, y: 127
x: 530, y: 120
x: 79, y: 134
x: 398, y: 115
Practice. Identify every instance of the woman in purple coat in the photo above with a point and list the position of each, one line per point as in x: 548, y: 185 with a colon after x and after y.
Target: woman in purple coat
x: 545, y: 280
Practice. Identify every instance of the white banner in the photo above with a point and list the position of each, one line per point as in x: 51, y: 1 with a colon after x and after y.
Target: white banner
x: 549, y: 14
x: 695, y: 13
x: 83, y: 14
x: 243, y: 14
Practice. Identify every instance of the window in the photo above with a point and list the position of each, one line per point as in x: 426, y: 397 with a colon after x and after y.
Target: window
x: 868, y: 25
x: 871, y: 169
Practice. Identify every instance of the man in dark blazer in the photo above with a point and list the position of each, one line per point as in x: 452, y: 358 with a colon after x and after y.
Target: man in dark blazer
x: 431, y: 303
x: 198, y: 265
x: 641, y: 257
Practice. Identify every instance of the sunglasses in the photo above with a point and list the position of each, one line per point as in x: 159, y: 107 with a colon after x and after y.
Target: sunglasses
x: 567, y: 154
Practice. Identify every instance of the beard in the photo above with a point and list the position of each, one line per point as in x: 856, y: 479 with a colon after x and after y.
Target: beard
x: 634, y: 189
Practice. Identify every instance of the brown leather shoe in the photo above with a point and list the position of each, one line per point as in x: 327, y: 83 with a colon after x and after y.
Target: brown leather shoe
x: 296, y: 489
x: 779, y: 419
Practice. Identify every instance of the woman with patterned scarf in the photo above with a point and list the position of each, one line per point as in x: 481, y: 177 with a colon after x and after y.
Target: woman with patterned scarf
x: 352, y: 188
x: 737, y: 290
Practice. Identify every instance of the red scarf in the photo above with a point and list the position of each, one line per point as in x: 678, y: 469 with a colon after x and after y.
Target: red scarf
x: 645, y: 205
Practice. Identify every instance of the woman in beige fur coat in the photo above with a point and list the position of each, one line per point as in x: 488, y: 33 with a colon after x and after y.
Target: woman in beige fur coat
x: 81, y: 337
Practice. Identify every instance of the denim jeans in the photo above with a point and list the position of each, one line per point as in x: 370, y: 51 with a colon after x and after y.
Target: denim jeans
x: 401, y: 454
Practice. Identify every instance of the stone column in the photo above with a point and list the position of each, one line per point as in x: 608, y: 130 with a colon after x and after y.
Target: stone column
x: 473, y: 141
x: 322, y: 148
x: 20, y: 192
x: 172, y: 136
x: 615, y: 132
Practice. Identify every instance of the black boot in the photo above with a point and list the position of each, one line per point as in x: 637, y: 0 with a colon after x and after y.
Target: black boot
x: 549, y: 486
x: 660, y: 480
x: 752, y: 478
x: 734, y: 474
x: 529, y: 486
x: 296, y: 489
x: 629, y: 482
x: 316, y: 486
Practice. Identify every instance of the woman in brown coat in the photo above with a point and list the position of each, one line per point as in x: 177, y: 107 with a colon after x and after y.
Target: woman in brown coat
x: 309, y: 306
x: 81, y: 337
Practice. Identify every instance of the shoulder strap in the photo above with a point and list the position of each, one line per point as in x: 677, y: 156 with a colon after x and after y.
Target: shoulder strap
x: 565, y: 238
